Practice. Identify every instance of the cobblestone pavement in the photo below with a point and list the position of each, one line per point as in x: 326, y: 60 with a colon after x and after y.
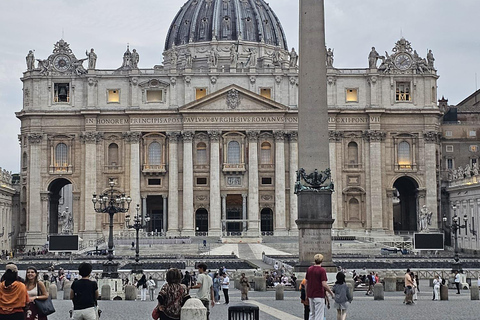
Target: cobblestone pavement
x: 458, y: 307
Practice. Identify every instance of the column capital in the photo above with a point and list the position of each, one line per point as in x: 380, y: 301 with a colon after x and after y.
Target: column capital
x: 188, y: 136
x: 335, y: 135
x: 223, y: 195
x: 91, y: 136
x: 279, y: 135
x: 374, y: 135
x: 244, y: 195
x: 132, y: 136
x: 432, y: 136
x: 35, y: 137
x: 214, y: 135
x: 293, y: 135
x: 173, y: 136
x: 45, y: 196
x: 253, y: 135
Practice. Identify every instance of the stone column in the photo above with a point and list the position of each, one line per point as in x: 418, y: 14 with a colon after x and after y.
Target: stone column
x: 215, y: 203
x: 293, y: 177
x: 314, y: 207
x: 188, y: 219
x: 253, y: 205
x: 224, y: 213
x: 90, y: 138
x: 133, y: 138
x: 244, y: 212
x: 173, y: 184
x: 164, y: 198
x: 431, y: 142
x: 144, y: 206
x: 34, y: 218
x: 375, y: 220
x: 335, y: 138
x: 280, y: 226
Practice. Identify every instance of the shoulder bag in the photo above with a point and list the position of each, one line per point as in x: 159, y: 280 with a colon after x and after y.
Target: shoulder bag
x: 44, y: 307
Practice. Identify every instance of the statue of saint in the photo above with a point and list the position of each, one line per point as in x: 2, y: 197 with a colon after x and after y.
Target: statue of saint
x: 233, y: 54
x: 127, y: 59
x: 173, y: 58
x: 425, y: 218
x: 330, y: 58
x: 67, y: 224
x: 252, y: 58
x: 92, y: 59
x: 30, y: 60
x: 293, y: 58
x: 213, y: 57
x: 373, y: 58
x: 430, y: 60
x: 135, y: 59
x: 188, y: 59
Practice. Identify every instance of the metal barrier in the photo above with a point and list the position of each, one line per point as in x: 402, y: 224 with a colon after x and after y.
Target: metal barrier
x: 243, y: 312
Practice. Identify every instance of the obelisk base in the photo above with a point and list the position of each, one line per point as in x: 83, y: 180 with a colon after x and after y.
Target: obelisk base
x: 315, y: 229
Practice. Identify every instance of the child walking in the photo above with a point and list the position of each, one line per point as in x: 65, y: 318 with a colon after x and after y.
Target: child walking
x: 342, y: 296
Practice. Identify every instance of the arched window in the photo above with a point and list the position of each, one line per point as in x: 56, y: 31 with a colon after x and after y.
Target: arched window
x: 201, y: 153
x: 113, y: 154
x: 233, y: 152
x: 404, y: 159
x: 61, y: 155
x: 352, y: 154
x: 354, y: 209
x: 266, y: 153
x: 155, y: 153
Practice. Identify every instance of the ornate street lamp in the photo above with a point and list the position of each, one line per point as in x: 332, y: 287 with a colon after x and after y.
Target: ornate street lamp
x: 111, y: 204
x: 137, y: 225
x: 454, y: 227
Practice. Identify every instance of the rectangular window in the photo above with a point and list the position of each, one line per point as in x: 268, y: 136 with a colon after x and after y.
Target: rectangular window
x: 201, y: 181
x: 449, y: 148
x: 113, y: 96
x: 473, y: 162
x: 266, y: 93
x: 472, y: 133
x: 449, y: 163
x: 352, y: 95
x: 200, y: 93
x: 61, y: 92
x: 154, y: 182
x: 448, y: 133
x: 267, y: 181
x: 473, y: 148
x: 402, y: 92
x: 154, y: 95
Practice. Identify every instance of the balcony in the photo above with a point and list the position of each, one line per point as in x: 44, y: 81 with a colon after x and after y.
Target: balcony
x: 234, y: 168
x: 154, y: 169
x: 64, y: 169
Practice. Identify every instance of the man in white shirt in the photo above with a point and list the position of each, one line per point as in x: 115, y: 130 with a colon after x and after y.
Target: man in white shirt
x: 225, y: 284
x: 457, y: 281
x: 205, y: 288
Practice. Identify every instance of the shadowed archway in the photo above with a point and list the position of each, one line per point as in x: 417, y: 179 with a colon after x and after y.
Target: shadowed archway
x: 57, y: 197
x: 405, y: 210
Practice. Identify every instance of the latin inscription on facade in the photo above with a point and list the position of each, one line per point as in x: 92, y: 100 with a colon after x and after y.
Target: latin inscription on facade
x: 234, y: 181
x: 178, y: 120
x: 370, y: 119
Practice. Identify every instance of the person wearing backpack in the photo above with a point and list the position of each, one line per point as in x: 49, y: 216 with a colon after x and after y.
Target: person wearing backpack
x: 304, y: 299
x: 342, y: 296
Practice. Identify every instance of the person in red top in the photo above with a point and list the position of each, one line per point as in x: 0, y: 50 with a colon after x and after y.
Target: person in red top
x: 316, y: 287
x: 13, y: 295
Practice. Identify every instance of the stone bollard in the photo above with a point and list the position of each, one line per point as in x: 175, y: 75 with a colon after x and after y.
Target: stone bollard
x: 443, y: 292
x: 260, y: 283
x: 193, y: 309
x: 279, y: 292
x: 66, y: 290
x: 106, y: 291
x: 52, y: 292
x: 350, y: 287
x: 130, y: 292
x: 390, y: 284
x: 378, y: 293
x: 474, y: 294
x: 236, y: 283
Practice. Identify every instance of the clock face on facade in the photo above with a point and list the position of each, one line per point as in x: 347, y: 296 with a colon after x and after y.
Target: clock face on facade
x: 403, y: 61
x: 61, y: 62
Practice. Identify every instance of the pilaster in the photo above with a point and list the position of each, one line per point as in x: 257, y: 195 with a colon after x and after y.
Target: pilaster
x: 172, y: 229
x: 188, y: 218
x: 293, y: 167
x: 133, y: 138
x: 215, y: 201
x: 253, y: 204
x: 432, y: 139
x: 280, y: 226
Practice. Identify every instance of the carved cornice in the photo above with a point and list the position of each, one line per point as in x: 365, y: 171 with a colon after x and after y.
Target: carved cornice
x: 91, y: 136
x: 335, y: 135
x: 253, y: 135
x: 293, y: 135
x: 132, y: 136
x: 173, y: 136
x: 279, y: 135
x: 432, y: 136
x: 35, y: 137
x: 374, y: 135
x: 188, y: 136
x: 214, y: 135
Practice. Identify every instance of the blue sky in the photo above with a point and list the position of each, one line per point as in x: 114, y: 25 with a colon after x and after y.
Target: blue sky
x: 449, y: 28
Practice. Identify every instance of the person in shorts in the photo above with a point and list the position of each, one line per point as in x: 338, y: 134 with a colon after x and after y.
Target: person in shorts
x: 84, y: 294
x: 205, y: 288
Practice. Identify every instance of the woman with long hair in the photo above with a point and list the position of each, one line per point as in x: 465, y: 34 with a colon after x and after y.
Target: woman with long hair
x: 13, y: 295
x: 342, y: 296
x: 142, y: 285
x: 172, y: 296
x: 36, y: 291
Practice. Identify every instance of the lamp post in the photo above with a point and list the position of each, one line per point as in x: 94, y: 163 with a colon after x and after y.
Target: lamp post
x: 111, y: 204
x: 454, y: 227
x: 137, y: 225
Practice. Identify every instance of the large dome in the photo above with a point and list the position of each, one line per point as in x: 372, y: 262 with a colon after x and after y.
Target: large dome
x: 226, y: 20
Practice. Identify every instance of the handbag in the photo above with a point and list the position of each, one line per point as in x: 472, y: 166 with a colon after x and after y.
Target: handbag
x: 156, y: 313
x: 44, y: 307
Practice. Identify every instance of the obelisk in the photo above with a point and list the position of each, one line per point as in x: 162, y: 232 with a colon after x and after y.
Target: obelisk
x: 314, y: 188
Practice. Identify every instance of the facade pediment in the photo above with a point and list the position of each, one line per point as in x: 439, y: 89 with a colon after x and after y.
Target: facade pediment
x: 233, y: 99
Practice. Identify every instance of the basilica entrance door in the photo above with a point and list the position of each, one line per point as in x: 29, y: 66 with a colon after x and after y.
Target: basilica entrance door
x: 201, y: 222
x: 405, y: 208
x: 60, y: 204
x: 266, y: 222
x: 234, y: 212
x: 155, y: 210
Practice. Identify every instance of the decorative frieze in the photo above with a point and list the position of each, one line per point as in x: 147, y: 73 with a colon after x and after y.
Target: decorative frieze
x: 91, y: 136
x: 132, y: 136
x: 335, y: 135
x: 35, y: 137
x: 432, y: 136
x: 233, y: 99
x: 374, y: 135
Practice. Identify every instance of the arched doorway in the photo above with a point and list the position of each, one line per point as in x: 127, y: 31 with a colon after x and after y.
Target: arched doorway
x: 60, y: 191
x: 266, y: 222
x: 201, y: 221
x: 405, y: 207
